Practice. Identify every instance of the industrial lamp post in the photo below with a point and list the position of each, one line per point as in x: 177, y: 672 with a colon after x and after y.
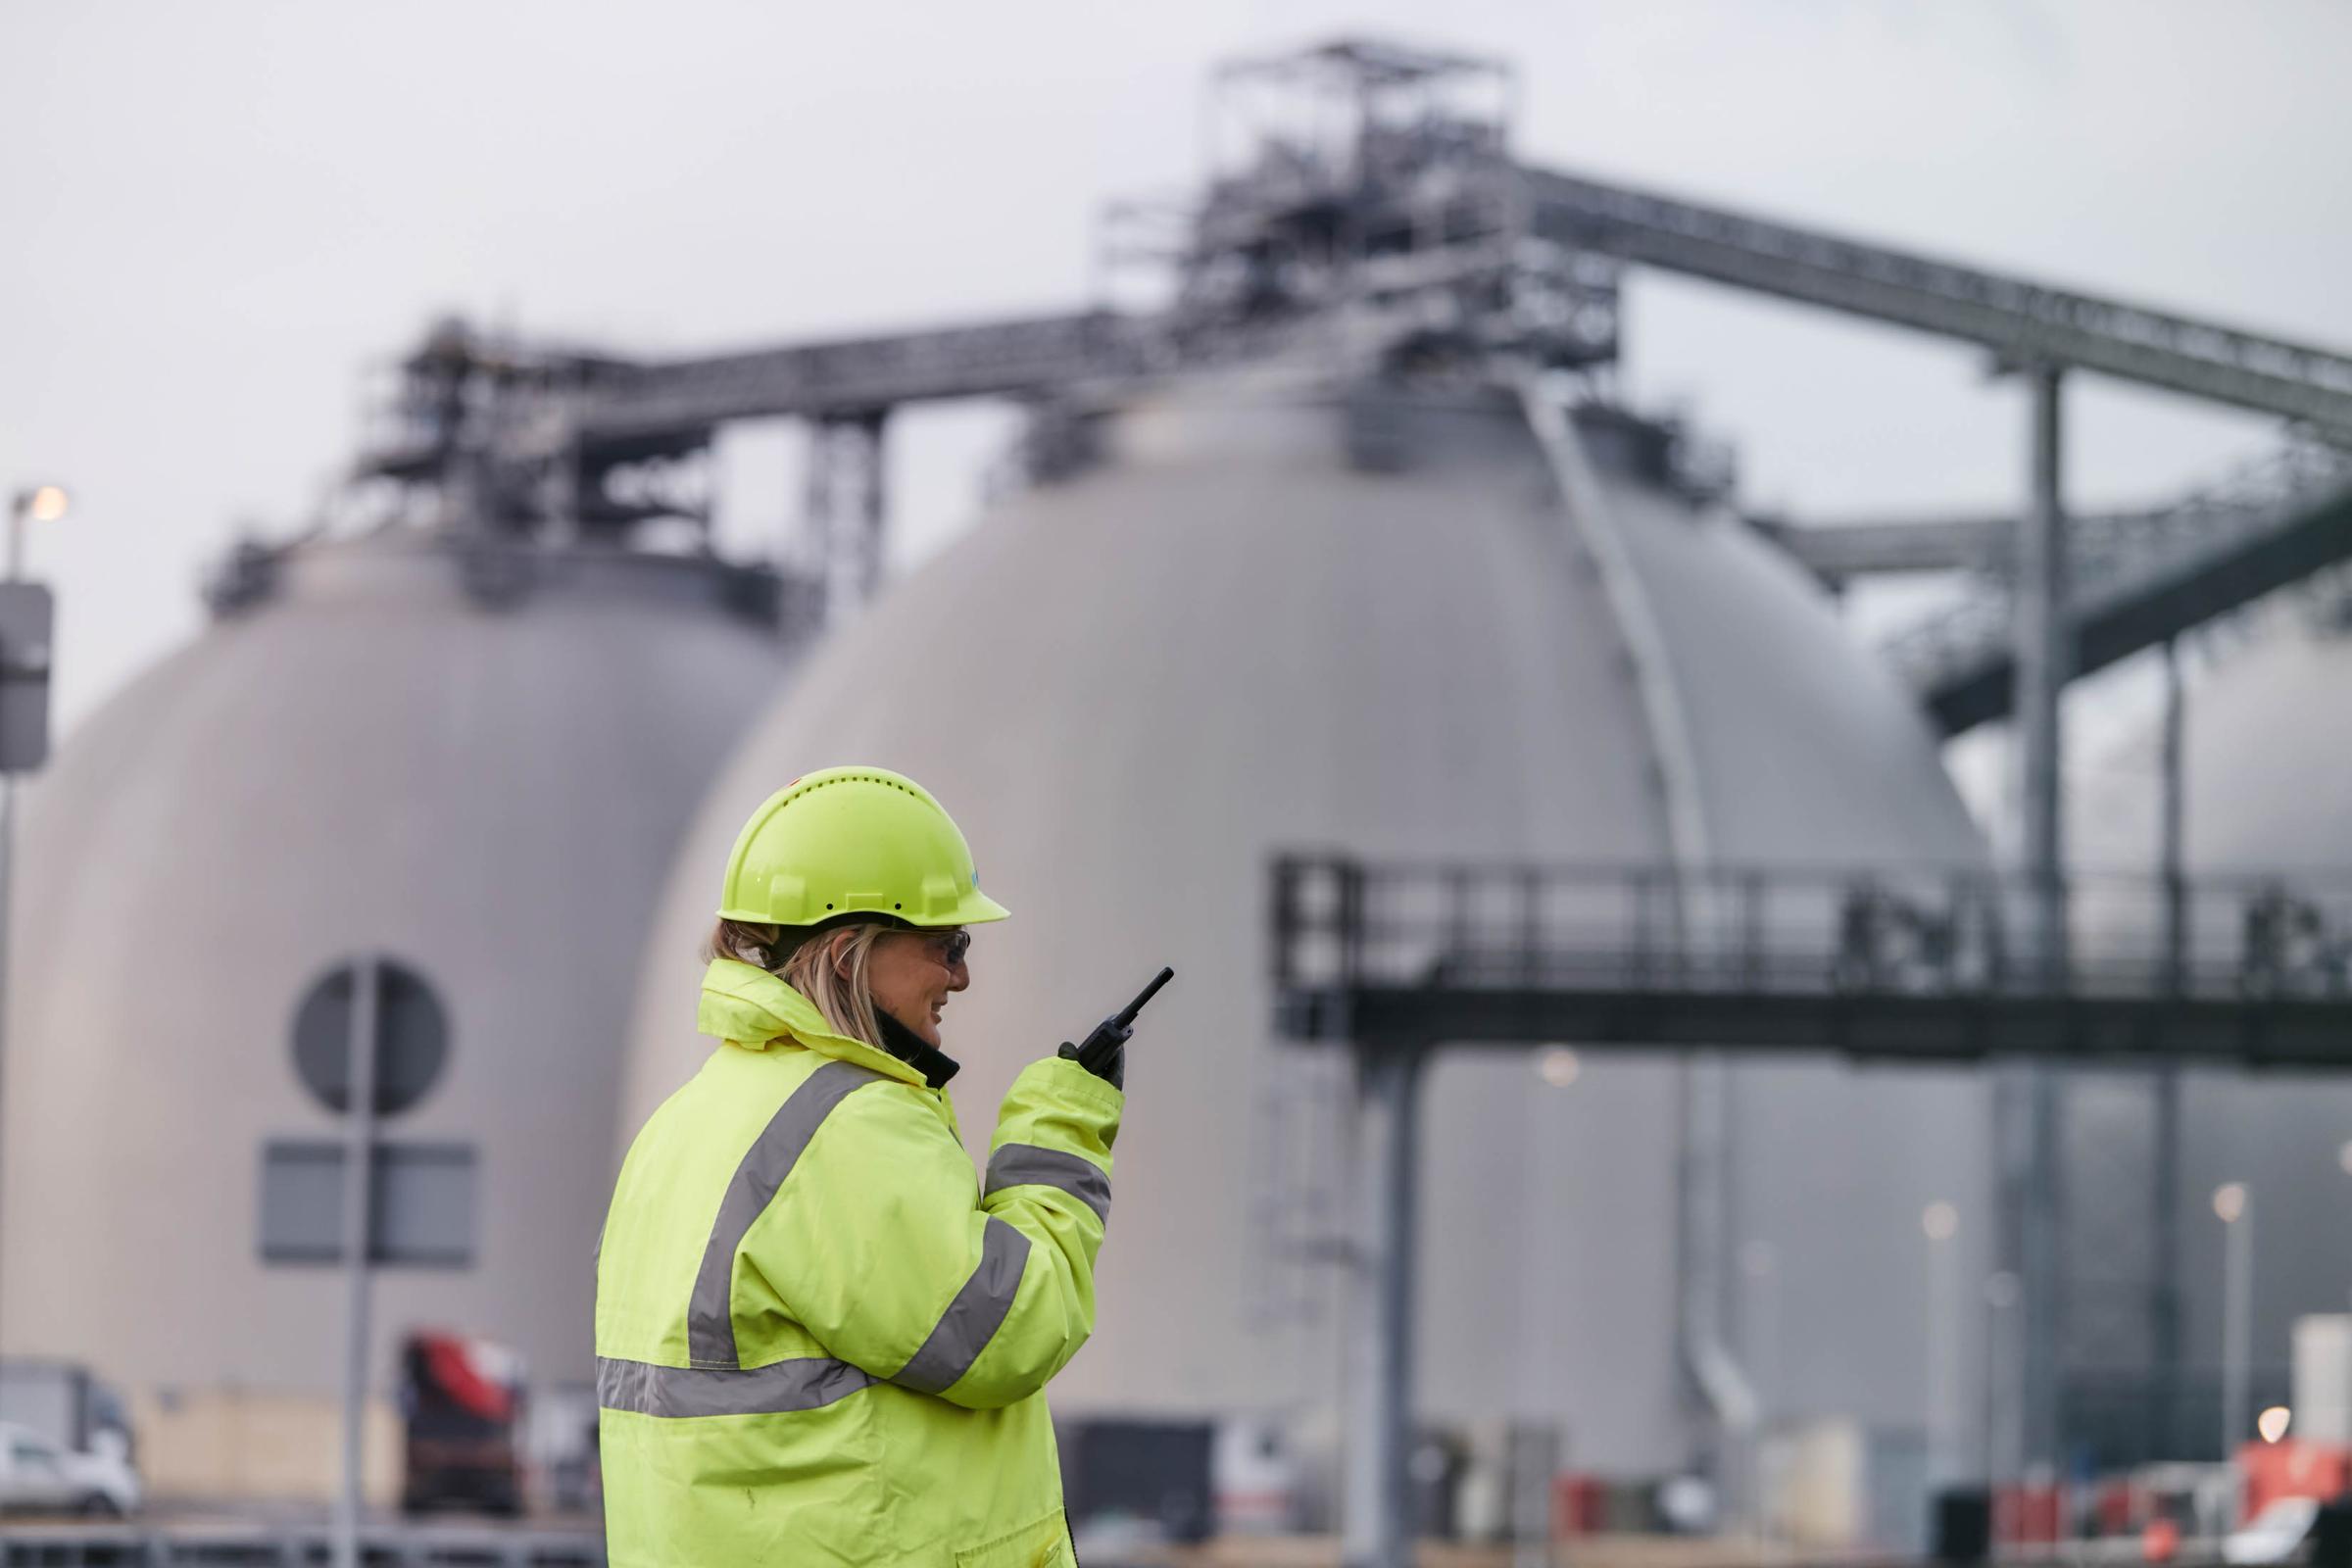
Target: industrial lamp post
x: 43, y: 503
x: 1941, y: 1223
x: 24, y: 619
x: 1533, y: 1444
x: 2235, y: 1209
x: 2002, y: 1457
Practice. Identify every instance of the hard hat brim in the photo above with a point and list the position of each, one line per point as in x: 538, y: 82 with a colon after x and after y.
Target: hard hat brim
x: 978, y: 910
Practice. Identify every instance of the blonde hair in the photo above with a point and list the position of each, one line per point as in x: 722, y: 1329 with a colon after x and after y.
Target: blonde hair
x: 818, y: 961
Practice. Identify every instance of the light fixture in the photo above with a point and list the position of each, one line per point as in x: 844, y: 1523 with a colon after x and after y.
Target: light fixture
x: 1558, y: 1065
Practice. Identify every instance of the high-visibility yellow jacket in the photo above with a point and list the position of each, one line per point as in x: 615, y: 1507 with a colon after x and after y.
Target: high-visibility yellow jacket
x: 819, y: 1339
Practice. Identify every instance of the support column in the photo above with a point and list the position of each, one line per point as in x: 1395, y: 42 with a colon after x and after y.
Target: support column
x: 816, y: 505
x: 1376, y: 1516
x: 1727, y: 1402
x: 2044, y: 651
x: 866, y: 548
x: 2165, y: 1189
x: 847, y: 502
x: 2030, y: 1143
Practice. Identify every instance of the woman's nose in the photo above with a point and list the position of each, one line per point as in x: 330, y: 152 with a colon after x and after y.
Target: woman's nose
x: 959, y: 975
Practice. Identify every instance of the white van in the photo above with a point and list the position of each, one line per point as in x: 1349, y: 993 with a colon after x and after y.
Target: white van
x: 2274, y: 1535
x: 37, y: 1476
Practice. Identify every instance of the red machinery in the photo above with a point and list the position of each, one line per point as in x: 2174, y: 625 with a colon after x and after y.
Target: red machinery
x: 462, y: 1401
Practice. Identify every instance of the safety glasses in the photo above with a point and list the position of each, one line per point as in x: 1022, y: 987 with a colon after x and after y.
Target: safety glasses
x: 950, y: 947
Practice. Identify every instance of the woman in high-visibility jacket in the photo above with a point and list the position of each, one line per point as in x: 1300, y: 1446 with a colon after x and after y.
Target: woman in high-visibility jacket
x: 819, y: 1338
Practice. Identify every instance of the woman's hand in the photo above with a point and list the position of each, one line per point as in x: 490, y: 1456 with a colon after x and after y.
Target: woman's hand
x: 1107, y: 1063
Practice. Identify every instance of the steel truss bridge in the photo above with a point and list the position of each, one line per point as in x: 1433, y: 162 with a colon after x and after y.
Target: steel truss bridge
x: 541, y: 430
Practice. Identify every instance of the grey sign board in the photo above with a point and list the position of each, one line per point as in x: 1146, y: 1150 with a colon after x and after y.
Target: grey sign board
x: 421, y: 1213
x: 27, y: 616
x: 411, y: 1038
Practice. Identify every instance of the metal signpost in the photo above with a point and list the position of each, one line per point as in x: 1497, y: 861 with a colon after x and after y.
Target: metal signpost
x: 369, y: 1038
x: 359, y: 1211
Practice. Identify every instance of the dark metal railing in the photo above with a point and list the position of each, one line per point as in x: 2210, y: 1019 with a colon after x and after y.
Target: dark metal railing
x: 246, y: 1543
x: 1341, y: 924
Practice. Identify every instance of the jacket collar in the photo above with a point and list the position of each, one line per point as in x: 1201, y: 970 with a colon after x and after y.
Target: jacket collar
x: 935, y: 1064
x: 747, y: 1006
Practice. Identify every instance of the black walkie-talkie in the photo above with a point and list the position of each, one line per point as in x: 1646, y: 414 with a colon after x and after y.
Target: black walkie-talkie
x: 1102, y: 1052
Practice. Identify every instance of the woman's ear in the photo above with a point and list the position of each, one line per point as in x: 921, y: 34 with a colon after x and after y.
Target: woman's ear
x: 833, y: 952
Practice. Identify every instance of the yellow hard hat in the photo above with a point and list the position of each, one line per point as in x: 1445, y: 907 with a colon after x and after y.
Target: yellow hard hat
x: 853, y: 839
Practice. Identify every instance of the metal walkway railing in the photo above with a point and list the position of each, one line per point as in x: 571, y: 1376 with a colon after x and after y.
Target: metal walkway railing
x: 1925, y: 964
x: 288, y: 1545
x: 2267, y: 524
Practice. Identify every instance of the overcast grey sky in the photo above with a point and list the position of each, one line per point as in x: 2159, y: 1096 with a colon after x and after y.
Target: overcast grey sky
x: 214, y: 217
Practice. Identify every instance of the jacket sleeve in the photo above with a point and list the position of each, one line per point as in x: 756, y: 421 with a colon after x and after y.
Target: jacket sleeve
x: 877, y: 1244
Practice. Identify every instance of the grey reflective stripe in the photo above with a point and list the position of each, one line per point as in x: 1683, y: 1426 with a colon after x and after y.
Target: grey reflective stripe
x: 1028, y: 1166
x: 972, y: 1318
x: 710, y: 1314
x: 674, y: 1392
